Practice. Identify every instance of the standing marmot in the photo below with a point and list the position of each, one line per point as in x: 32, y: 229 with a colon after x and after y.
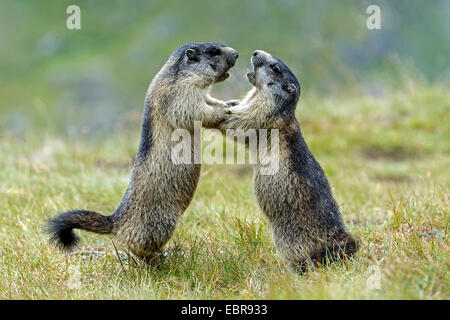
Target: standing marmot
x: 297, y: 200
x: 160, y: 190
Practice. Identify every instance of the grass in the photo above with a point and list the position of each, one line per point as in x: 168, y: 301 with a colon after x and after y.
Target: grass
x: 387, y: 160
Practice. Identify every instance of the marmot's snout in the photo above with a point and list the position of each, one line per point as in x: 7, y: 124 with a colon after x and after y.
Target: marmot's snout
x: 234, y: 53
x: 258, y: 58
x: 229, y: 57
x: 232, y: 56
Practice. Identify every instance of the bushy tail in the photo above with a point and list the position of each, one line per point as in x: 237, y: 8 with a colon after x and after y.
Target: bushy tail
x: 61, y: 227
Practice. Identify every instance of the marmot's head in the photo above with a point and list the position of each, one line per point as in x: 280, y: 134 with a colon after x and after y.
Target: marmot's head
x: 271, y: 74
x: 202, y: 64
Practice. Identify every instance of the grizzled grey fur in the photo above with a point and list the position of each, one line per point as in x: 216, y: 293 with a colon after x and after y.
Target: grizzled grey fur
x: 297, y: 200
x: 160, y: 190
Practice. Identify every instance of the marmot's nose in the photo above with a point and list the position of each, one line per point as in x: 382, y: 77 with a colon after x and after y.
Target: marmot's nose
x: 259, y: 53
x: 232, y: 57
x: 234, y: 53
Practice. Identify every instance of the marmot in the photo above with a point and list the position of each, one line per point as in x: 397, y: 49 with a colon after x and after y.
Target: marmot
x: 160, y: 190
x: 297, y: 200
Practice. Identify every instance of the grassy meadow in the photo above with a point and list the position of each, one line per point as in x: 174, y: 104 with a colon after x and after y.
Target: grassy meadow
x: 374, y: 110
x: 387, y: 160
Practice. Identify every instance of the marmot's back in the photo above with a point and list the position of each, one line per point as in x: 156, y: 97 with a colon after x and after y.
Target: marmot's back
x: 160, y: 190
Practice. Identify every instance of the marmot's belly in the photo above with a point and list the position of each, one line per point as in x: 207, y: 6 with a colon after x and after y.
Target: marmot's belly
x: 287, y: 197
x: 276, y: 194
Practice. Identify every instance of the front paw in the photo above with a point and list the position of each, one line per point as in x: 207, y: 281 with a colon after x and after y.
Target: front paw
x: 222, y: 114
x: 232, y: 103
x: 223, y: 110
x: 223, y: 119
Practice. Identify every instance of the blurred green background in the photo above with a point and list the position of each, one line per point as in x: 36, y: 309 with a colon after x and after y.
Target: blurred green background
x: 375, y: 111
x: 82, y: 82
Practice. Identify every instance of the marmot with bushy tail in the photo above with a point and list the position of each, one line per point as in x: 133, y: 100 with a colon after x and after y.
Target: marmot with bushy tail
x: 297, y: 200
x: 160, y: 190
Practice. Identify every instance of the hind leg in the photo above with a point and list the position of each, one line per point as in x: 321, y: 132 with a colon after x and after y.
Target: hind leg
x: 341, y: 249
x: 303, y: 253
x: 293, y: 247
x: 146, y: 241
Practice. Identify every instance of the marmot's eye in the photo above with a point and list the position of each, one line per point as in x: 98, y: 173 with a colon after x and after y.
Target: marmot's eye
x: 214, y: 51
x: 276, y: 69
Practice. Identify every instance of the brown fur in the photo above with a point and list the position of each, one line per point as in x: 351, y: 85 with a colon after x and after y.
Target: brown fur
x: 297, y: 200
x: 160, y: 190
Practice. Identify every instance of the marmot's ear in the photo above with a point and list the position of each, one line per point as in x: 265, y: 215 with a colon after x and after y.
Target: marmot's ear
x: 291, y: 88
x: 191, y: 54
